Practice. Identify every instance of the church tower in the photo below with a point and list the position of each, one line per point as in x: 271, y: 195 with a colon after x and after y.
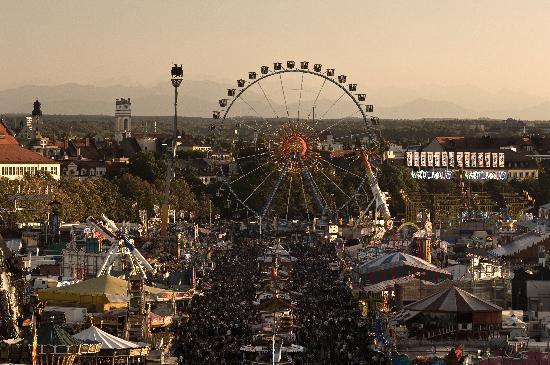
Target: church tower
x: 36, y: 124
x: 123, y: 116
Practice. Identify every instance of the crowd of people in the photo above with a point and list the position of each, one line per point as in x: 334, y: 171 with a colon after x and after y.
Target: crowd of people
x: 329, y: 323
x: 220, y: 320
x: 331, y: 327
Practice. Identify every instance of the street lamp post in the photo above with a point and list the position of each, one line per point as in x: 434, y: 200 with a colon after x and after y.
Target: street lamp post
x: 177, y: 78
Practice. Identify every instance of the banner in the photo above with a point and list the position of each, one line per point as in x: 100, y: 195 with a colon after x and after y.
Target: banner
x: 466, y: 159
x: 451, y: 159
x: 409, y: 158
x: 422, y: 159
x: 501, y: 159
x: 430, y: 159
x: 416, y: 159
x: 437, y: 159
x: 459, y: 159
x: 495, y: 159
x: 487, y: 159
x: 444, y: 159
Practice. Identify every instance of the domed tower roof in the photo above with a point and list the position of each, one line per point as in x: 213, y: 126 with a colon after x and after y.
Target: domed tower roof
x: 36, y: 111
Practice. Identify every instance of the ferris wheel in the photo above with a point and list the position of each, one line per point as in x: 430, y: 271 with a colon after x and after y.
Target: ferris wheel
x: 300, y: 138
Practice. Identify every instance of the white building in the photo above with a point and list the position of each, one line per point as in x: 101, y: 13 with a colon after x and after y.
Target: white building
x: 16, y: 161
x: 330, y: 144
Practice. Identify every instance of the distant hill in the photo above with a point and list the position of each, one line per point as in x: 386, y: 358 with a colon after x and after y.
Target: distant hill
x: 423, y: 108
x: 199, y: 98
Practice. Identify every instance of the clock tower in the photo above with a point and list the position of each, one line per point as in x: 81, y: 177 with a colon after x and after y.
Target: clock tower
x: 123, y: 119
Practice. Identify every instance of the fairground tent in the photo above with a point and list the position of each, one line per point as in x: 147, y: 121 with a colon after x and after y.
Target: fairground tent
x: 114, y: 350
x: 397, y: 265
x: 98, y: 295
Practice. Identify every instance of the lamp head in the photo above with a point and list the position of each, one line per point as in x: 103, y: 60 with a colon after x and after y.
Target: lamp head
x: 177, y: 75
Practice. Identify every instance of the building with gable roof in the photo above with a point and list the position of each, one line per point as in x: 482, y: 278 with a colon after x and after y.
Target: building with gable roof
x: 16, y: 161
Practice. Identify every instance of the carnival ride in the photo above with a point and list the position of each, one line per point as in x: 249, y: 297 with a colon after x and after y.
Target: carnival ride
x: 302, y: 165
x: 121, y: 246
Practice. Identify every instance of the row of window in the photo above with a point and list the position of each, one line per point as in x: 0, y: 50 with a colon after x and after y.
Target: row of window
x: 22, y: 170
x: 84, y: 172
x: 521, y: 175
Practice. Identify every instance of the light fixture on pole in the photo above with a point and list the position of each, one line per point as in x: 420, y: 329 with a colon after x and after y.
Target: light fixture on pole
x: 177, y: 78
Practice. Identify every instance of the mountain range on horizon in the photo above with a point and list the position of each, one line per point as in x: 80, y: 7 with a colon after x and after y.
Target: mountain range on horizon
x: 199, y: 99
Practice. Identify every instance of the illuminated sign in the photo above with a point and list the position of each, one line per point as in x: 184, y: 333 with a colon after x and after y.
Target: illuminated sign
x: 468, y: 175
x: 432, y: 175
x: 485, y: 175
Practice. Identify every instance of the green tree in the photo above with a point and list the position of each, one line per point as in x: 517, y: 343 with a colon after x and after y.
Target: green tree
x: 136, y: 194
x: 146, y: 166
x: 182, y: 197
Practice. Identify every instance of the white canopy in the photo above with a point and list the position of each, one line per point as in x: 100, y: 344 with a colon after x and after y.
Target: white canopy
x: 107, y: 340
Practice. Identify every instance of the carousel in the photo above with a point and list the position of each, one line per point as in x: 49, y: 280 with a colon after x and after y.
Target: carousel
x: 114, y: 350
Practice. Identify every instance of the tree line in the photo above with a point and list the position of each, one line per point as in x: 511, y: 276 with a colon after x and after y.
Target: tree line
x: 120, y: 195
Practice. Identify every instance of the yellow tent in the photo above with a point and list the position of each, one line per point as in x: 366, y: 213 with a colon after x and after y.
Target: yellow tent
x: 99, y: 294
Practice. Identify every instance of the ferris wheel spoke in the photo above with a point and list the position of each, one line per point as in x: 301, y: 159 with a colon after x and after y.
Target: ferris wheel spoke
x: 339, y: 167
x: 267, y: 99
x: 249, y: 172
x: 315, y: 192
x: 332, y: 105
x: 250, y: 106
x: 284, y: 96
x: 333, y: 183
x: 288, y: 196
x: 317, y: 97
x: 275, y: 188
x: 339, y: 121
x: 315, y: 188
x: 252, y: 156
x: 258, y: 186
x: 304, y: 195
x: 300, y: 98
x: 243, y: 123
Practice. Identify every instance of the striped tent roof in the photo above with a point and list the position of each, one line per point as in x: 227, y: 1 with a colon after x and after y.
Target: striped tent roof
x: 107, y: 341
x: 397, y: 259
x: 452, y: 300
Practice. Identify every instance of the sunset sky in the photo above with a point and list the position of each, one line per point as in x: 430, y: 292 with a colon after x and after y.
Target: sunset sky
x: 491, y: 44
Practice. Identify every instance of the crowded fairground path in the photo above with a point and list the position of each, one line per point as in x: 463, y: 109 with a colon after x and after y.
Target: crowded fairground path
x: 267, y: 301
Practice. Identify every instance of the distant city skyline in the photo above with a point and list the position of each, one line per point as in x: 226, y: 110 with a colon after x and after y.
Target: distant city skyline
x: 500, y: 47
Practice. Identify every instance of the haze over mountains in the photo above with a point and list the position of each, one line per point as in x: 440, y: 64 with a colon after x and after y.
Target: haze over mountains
x: 199, y: 98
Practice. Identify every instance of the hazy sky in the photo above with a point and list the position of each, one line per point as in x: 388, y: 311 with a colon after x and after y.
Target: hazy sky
x: 493, y: 44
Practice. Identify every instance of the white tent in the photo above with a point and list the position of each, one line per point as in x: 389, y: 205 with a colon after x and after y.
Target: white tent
x: 108, y: 341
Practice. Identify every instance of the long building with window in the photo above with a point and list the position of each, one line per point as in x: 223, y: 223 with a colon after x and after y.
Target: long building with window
x: 474, y: 158
x: 16, y: 161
